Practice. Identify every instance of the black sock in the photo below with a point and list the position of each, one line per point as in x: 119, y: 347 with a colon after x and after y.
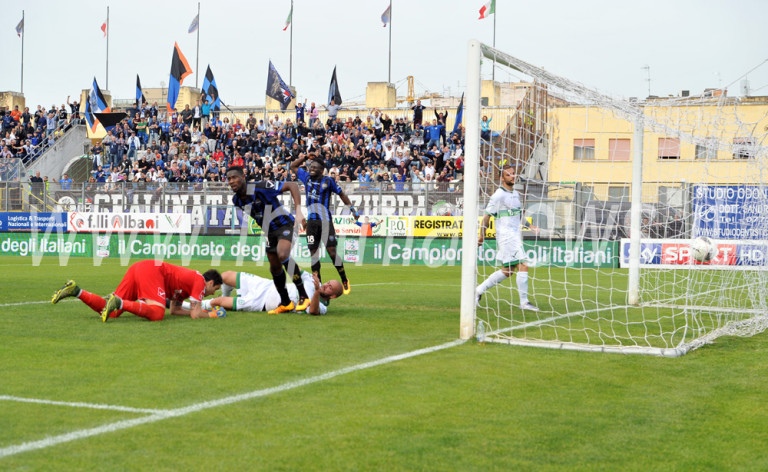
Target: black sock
x: 342, y: 272
x: 279, y: 280
x: 294, y: 272
x: 316, y: 270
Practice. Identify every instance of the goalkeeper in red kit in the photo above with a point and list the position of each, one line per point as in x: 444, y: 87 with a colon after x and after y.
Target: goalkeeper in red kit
x: 146, y: 287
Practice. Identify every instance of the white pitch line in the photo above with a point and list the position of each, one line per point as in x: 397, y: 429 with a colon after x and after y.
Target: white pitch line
x: 165, y: 414
x: 94, y: 406
x: 382, y: 283
x: 401, y: 283
x: 34, y: 302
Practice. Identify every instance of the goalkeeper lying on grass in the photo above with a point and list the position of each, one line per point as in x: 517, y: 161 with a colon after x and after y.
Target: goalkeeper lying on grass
x: 256, y: 293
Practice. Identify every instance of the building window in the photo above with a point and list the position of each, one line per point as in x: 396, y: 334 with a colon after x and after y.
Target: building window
x: 583, y: 149
x: 619, y: 149
x: 669, y: 148
x: 707, y: 150
x: 618, y: 194
x: 743, y: 148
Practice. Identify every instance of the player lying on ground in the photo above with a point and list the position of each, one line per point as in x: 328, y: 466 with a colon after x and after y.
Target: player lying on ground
x: 144, y: 289
x: 256, y: 293
x: 506, y: 209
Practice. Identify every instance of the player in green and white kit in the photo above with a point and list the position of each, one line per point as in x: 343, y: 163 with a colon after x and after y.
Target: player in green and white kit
x: 506, y: 209
x: 256, y: 293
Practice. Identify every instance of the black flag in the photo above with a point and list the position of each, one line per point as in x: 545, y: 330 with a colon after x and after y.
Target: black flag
x: 333, y: 91
x: 140, y: 99
x: 109, y: 120
x: 278, y: 89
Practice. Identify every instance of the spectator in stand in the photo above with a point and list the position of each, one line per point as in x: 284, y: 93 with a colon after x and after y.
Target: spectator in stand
x: 433, y: 134
x: 26, y: 117
x: 62, y: 120
x: 485, y: 128
x: 314, y: 115
x: 418, y: 113
x: 96, y: 152
x: 675, y: 228
x: 645, y: 228
x: 300, y: 110
x: 197, y: 114
x: 187, y: 115
x: 165, y: 131
x: 399, y: 180
x: 74, y: 109
x: 366, y: 226
x: 141, y: 131
x: 16, y: 114
x: 134, y: 144
x: 333, y: 111
x: 66, y: 182
x: 50, y: 125
x: 443, y: 178
x: 106, y: 145
x: 154, y: 132
x: 206, y: 112
x: 442, y: 120
x: 429, y: 171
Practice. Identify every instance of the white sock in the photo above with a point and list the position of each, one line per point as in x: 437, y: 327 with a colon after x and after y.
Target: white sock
x: 206, y: 304
x: 493, y: 279
x: 226, y: 290
x: 522, y: 286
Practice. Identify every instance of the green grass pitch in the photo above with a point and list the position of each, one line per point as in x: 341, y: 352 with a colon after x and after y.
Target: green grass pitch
x: 465, y: 407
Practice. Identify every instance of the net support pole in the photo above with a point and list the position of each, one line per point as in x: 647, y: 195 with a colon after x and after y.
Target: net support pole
x: 636, y: 210
x: 471, y: 170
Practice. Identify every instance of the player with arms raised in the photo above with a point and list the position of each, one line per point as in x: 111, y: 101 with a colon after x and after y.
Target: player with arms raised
x: 320, y: 225
x: 506, y: 209
x: 259, y: 200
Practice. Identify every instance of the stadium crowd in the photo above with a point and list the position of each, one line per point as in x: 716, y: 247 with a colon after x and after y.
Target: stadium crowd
x: 196, y: 145
x: 25, y: 135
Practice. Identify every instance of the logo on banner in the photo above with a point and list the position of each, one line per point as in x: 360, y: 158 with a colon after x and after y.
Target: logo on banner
x: 130, y: 222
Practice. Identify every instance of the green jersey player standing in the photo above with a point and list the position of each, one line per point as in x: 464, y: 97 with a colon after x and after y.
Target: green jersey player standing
x: 506, y: 209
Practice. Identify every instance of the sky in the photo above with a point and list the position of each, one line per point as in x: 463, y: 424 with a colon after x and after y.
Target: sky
x: 604, y: 44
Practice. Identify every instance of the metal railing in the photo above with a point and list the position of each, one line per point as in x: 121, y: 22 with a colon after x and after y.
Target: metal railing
x: 560, y: 211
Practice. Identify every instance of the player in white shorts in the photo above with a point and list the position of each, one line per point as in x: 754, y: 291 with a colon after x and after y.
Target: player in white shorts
x: 506, y: 209
x: 256, y: 293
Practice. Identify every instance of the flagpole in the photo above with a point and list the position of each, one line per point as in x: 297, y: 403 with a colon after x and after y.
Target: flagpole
x: 389, y: 73
x: 290, y: 54
x: 108, y: 47
x: 493, y: 71
x: 23, y: 33
x: 197, y: 54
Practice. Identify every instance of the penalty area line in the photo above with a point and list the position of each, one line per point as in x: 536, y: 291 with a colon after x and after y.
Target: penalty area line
x: 174, y: 413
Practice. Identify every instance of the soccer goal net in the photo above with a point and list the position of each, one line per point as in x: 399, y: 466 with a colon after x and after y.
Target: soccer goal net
x: 594, y: 237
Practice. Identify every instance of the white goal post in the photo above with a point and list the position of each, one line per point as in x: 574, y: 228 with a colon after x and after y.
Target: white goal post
x: 613, y: 191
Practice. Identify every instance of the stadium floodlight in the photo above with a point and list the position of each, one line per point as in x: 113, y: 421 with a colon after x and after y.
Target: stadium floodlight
x: 613, y: 194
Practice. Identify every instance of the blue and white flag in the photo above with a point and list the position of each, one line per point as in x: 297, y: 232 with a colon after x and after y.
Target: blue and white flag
x: 95, y: 104
x: 211, y: 90
x: 195, y: 24
x: 386, y: 17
